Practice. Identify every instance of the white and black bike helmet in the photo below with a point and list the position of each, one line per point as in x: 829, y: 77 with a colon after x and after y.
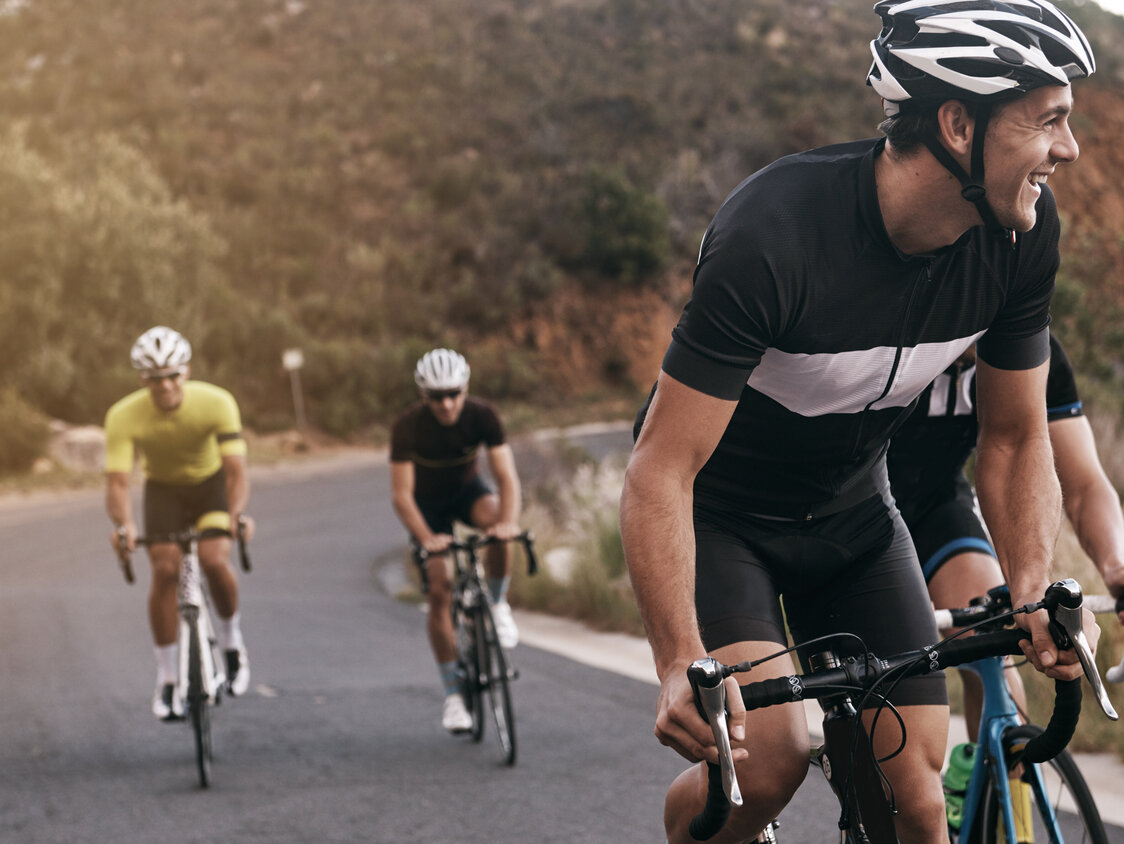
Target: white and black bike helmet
x: 979, y: 50
x: 160, y: 348
x: 442, y: 369
x: 982, y: 51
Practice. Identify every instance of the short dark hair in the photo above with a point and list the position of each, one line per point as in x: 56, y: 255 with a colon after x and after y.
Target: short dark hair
x: 908, y: 129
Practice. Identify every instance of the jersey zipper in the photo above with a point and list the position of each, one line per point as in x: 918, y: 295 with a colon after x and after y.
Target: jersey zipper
x: 927, y: 276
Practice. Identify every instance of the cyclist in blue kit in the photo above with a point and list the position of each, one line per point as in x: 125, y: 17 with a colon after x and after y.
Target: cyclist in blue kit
x: 926, y: 463
x: 831, y: 288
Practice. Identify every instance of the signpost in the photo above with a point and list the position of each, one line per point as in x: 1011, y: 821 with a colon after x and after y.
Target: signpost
x: 292, y: 360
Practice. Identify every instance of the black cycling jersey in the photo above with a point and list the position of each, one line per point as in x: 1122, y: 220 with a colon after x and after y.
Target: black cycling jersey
x: 805, y: 312
x: 927, y: 456
x: 444, y: 456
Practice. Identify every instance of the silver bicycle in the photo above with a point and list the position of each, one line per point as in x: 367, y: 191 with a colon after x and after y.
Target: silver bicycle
x: 201, y: 678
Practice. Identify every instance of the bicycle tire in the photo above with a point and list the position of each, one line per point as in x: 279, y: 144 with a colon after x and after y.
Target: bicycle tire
x: 1078, y: 816
x: 499, y: 688
x: 198, y: 705
x: 477, y: 673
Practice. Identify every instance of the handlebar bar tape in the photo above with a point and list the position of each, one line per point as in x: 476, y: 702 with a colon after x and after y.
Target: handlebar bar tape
x: 1063, y: 721
x: 713, y: 817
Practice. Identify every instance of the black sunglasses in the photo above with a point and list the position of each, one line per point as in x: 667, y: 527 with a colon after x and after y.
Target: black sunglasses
x: 156, y: 377
x: 441, y: 395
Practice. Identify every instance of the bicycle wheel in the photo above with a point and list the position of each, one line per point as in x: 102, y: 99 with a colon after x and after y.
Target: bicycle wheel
x: 198, y: 706
x: 497, y: 682
x: 477, y: 672
x: 1064, y: 795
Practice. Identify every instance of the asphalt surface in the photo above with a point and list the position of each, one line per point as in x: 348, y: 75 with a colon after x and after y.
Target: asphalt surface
x: 339, y: 737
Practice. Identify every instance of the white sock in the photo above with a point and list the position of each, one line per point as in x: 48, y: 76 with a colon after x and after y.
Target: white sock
x: 230, y: 633
x: 167, y: 663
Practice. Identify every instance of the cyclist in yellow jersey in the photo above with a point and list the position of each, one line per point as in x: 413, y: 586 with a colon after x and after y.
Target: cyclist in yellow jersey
x: 189, y: 435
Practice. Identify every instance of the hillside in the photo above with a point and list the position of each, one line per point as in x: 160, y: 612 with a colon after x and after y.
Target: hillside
x: 525, y: 179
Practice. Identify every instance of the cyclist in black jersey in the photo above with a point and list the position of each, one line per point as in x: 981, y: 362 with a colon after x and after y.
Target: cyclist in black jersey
x: 926, y: 464
x: 831, y: 288
x: 435, y: 482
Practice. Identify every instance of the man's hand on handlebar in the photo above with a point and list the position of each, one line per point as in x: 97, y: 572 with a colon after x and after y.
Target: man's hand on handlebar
x: 680, y: 726
x: 1042, y: 651
x: 1114, y: 580
x: 504, y: 530
x: 124, y: 538
x: 436, y: 543
x: 246, y: 526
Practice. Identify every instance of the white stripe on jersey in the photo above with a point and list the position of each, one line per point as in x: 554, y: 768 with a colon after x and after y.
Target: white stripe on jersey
x: 939, y: 404
x: 847, y: 382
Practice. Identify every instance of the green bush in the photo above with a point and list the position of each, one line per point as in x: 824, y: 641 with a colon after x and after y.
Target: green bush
x: 25, y: 434
x: 625, y: 229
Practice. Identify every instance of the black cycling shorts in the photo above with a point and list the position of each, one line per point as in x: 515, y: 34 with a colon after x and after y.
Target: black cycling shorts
x: 855, y: 571
x: 949, y: 528
x: 440, y: 513
x: 171, y: 508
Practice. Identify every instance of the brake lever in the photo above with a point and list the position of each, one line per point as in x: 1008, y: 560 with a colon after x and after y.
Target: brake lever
x: 710, y: 696
x: 1067, y: 615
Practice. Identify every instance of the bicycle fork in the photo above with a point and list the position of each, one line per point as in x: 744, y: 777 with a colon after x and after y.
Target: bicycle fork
x: 193, y: 616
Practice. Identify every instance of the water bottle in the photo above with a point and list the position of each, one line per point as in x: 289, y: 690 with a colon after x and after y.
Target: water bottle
x: 956, y: 777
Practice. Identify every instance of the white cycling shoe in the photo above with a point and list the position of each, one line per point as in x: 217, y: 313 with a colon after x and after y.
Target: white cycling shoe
x: 454, y: 716
x: 167, y: 704
x: 237, y: 672
x: 506, y: 631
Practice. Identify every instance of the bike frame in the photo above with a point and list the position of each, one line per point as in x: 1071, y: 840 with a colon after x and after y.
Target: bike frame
x: 998, y: 715
x: 195, y: 612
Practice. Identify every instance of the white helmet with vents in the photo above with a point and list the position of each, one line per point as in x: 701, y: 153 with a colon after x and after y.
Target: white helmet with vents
x: 978, y: 50
x: 442, y: 369
x: 160, y: 348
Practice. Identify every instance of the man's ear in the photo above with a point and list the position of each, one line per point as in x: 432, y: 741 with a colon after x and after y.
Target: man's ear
x: 956, y: 127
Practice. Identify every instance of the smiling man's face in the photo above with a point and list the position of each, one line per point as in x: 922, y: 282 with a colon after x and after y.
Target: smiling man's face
x: 1026, y: 140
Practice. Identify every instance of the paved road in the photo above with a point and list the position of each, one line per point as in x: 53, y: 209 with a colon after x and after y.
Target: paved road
x: 339, y: 738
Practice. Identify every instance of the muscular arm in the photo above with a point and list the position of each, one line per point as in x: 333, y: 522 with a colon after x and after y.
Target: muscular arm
x: 119, y: 507
x: 680, y: 432
x: 237, y: 484
x: 501, y: 461
x: 1019, y: 492
x: 237, y: 490
x: 402, y: 496
x: 1090, y: 501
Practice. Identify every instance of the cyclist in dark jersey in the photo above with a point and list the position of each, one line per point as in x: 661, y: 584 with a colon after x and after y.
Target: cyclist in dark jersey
x: 435, y: 480
x: 831, y: 288
x: 926, y: 464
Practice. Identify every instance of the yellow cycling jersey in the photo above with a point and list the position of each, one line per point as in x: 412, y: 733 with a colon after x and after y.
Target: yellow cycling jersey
x: 183, y: 446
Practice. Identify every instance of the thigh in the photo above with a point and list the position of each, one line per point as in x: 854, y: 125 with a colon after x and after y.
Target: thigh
x: 950, y: 528
x: 478, y: 504
x: 963, y: 577
x: 735, y: 595
x: 208, y: 509
x: 882, y: 600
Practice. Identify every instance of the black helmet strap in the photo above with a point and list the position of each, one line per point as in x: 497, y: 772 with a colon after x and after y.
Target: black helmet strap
x: 971, y: 186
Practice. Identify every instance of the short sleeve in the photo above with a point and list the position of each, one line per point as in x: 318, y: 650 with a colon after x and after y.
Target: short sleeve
x: 120, y: 453
x: 228, y: 429
x: 1018, y: 337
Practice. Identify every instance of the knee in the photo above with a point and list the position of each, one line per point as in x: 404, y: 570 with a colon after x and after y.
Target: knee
x: 439, y: 596
x: 767, y: 787
x: 921, y: 811
x: 165, y: 572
